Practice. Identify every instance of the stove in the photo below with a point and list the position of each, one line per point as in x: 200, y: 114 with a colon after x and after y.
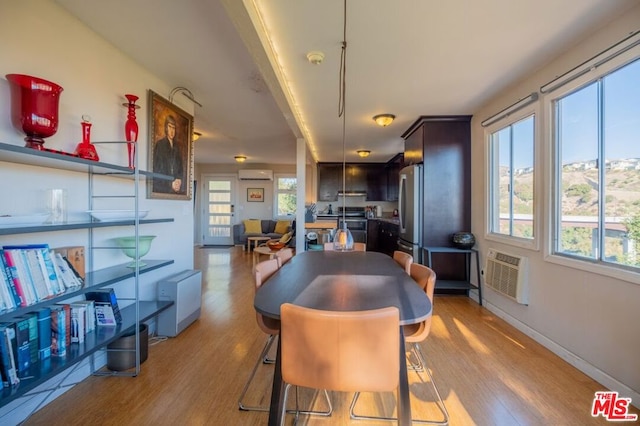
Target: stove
x: 356, y: 221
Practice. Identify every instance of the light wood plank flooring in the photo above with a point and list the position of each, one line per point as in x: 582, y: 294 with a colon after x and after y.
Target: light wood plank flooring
x: 487, y: 372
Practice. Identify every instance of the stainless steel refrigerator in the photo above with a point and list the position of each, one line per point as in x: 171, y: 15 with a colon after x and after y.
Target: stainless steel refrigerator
x: 410, y: 211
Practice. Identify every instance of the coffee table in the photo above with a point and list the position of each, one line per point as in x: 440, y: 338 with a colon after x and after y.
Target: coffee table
x: 256, y: 241
x: 266, y: 251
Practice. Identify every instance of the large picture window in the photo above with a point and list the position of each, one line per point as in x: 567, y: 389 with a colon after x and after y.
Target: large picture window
x: 597, y: 169
x: 511, y: 179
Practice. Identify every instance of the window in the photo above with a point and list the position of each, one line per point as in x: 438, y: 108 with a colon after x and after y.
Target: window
x: 511, y: 179
x: 285, y: 194
x: 597, y: 169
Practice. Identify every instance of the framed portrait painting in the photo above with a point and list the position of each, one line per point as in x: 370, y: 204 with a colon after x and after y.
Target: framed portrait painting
x: 255, y: 195
x: 170, y: 150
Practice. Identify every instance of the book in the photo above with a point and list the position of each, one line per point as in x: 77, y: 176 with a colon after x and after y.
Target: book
x: 22, y: 349
x: 16, y: 284
x: 105, y: 315
x: 22, y: 272
x: 44, y: 333
x: 67, y: 323
x: 68, y: 277
x: 7, y: 335
x: 58, y: 332
x: 78, y: 322
x: 107, y: 295
x: 8, y: 298
x: 32, y: 319
x: 90, y: 306
x: 40, y: 282
x: 51, y: 270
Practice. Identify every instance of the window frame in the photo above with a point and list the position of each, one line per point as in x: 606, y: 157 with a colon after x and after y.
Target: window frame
x: 533, y: 243
x: 276, y: 192
x: 552, y: 172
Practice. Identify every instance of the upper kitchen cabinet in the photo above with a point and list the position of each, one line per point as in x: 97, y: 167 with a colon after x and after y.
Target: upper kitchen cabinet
x: 392, y: 175
x: 361, y: 179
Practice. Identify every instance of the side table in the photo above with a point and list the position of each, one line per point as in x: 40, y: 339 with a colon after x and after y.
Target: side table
x: 457, y: 284
x: 256, y: 241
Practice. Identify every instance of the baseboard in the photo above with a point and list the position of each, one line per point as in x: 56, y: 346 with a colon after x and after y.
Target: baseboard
x: 579, y: 363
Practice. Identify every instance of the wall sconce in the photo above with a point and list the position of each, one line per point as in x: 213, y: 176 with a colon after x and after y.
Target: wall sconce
x: 383, y: 120
x: 196, y: 136
x: 363, y: 153
x: 240, y: 158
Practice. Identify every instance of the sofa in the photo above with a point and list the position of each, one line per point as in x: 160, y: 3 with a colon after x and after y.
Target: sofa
x: 267, y: 229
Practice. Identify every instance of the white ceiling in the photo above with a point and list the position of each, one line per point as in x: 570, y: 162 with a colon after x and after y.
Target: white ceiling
x: 405, y: 57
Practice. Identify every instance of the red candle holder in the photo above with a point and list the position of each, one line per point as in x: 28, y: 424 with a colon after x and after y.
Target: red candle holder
x: 85, y: 149
x: 34, y: 107
x: 131, y: 128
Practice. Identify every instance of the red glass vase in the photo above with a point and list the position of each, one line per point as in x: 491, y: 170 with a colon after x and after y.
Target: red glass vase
x: 131, y: 128
x: 85, y: 149
x: 34, y: 107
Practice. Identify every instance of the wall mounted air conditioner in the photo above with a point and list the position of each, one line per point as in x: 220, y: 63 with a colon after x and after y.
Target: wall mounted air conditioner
x: 508, y: 274
x: 255, y: 174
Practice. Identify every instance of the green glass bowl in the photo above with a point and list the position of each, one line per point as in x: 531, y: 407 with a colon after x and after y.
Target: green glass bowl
x: 128, y: 247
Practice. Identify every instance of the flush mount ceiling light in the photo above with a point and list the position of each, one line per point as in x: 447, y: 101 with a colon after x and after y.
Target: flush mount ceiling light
x: 383, y: 120
x: 315, y: 57
x: 240, y: 158
x: 363, y: 152
x: 196, y: 136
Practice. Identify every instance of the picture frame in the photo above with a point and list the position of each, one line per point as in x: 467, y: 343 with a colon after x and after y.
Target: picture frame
x: 255, y: 195
x: 169, y: 150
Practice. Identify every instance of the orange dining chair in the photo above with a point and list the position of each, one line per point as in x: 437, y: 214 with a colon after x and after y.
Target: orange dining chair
x: 284, y: 256
x: 339, y: 351
x: 262, y: 272
x: 356, y: 247
x: 359, y: 247
x: 403, y: 259
x: 414, y: 334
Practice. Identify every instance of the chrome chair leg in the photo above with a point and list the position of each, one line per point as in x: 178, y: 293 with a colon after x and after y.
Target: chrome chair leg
x: 297, y: 411
x: 262, y: 357
x: 419, y: 366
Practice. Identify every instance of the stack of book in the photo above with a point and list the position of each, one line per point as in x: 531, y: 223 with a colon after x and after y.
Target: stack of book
x: 50, y: 331
x: 33, y: 273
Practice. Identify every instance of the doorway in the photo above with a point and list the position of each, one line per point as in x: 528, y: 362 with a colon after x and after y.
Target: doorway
x: 218, y: 201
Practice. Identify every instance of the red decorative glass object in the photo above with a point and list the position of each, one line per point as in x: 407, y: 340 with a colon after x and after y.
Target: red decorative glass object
x: 85, y: 149
x: 34, y: 107
x: 131, y: 128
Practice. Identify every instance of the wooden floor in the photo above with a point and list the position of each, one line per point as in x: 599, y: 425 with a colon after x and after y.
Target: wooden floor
x: 487, y: 372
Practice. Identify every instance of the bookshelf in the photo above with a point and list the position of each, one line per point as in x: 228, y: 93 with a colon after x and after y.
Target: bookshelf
x: 133, y: 314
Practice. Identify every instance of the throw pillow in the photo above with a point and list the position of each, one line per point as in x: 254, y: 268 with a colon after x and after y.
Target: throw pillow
x: 286, y: 237
x: 252, y: 226
x: 282, y: 227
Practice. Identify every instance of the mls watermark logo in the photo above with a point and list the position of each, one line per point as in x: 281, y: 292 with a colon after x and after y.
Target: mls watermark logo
x: 613, y: 408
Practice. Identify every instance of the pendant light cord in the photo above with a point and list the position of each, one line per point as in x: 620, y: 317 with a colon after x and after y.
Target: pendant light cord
x: 342, y: 111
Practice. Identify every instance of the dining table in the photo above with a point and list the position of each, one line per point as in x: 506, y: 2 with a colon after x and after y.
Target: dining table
x: 343, y: 281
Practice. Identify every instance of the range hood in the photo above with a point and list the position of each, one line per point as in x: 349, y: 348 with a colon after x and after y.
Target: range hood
x: 348, y: 193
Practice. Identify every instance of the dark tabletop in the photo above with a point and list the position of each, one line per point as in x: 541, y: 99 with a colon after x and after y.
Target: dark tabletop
x: 343, y: 281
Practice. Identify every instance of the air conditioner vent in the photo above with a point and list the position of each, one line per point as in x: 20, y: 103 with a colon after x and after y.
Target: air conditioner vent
x: 508, y: 274
x: 255, y: 174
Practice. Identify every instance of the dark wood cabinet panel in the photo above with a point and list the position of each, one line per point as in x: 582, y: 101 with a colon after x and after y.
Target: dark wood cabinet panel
x: 382, y: 236
x: 392, y: 173
x: 443, y: 145
x: 366, y: 178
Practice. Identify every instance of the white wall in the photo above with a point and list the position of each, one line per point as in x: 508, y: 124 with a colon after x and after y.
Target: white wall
x: 589, y: 319
x: 47, y: 42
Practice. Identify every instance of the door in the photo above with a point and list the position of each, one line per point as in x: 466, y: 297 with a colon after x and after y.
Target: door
x: 218, y: 201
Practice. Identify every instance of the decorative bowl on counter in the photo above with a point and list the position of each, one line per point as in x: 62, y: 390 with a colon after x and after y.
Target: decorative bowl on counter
x: 111, y: 215
x: 463, y: 240
x: 128, y: 247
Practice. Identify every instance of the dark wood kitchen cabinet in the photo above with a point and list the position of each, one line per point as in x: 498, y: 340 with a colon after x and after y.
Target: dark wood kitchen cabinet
x: 369, y: 179
x: 392, y: 174
x: 382, y: 236
x: 443, y: 145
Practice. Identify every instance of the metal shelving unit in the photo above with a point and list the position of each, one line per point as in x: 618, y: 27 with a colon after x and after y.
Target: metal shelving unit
x: 457, y: 284
x: 133, y: 314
